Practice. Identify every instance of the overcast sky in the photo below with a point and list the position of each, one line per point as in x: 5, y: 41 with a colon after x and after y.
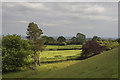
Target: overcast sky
x: 66, y: 19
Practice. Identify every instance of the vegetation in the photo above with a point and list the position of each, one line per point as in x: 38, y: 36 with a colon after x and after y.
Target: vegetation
x: 91, y: 47
x: 100, y: 66
x: 59, y: 58
x: 79, y: 39
x: 66, y: 47
x: 14, y: 52
x: 94, y: 67
x: 37, y: 44
x: 96, y: 38
x: 49, y: 40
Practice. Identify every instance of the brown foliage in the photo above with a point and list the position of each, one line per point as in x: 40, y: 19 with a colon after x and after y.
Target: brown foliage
x: 92, y: 46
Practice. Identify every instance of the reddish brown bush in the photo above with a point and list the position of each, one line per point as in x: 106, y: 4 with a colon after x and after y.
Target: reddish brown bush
x: 91, y: 47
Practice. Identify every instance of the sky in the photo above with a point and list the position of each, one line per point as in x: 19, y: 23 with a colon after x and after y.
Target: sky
x: 62, y: 18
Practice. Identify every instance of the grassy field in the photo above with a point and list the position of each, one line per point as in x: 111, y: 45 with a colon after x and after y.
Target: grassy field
x: 104, y: 65
x: 59, y: 55
x: 55, y: 47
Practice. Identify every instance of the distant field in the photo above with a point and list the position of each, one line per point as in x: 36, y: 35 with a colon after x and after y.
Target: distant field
x: 59, y: 55
x: 55, y: 47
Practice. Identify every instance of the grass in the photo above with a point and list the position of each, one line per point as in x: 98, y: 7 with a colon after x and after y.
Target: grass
x: 104, y: 65
x: 100, y: 66
x: 59, y: 55
x: 42, y: 70
x: 55, y: 47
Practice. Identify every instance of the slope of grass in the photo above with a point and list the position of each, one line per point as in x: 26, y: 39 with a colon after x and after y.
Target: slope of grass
x: 104, y: 65
x: 42, y: 70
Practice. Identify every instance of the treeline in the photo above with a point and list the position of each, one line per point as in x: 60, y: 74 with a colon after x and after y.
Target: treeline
x: 61, y: 40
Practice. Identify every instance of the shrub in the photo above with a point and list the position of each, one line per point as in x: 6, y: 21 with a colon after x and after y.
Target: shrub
x: 110, y: 44
x: 91, y: 47
x: 14, y: 52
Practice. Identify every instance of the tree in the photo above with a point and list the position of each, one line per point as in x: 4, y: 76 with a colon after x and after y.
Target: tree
x: 49, y: 40
x: 61, y: 39
x: 14, y: 52
x: 91, y: 47
x: 73, y: 40
x: 79, y: 39
x: 34, y: 34
x: 96, y: 38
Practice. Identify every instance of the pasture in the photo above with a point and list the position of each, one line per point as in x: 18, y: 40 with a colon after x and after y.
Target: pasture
x: 70, y: 47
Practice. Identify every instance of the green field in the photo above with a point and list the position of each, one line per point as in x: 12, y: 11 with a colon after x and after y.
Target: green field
x: 104, y: 65
x: 59, y: 55
x: 55, y: 47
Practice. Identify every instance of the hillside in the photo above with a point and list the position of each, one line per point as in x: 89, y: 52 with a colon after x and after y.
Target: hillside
x: 104, y: 65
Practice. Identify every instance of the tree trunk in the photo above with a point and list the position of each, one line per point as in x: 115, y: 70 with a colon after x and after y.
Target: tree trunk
x: 39, y: 59
x: 35, y: 59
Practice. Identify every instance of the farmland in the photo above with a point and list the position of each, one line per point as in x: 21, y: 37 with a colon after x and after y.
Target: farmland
x: 56, y: 47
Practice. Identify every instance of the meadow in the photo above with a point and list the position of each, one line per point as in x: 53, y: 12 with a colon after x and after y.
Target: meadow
x: 69, y: 47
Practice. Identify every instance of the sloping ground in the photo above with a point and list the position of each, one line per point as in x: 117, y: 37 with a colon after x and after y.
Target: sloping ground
x: 104, y: 65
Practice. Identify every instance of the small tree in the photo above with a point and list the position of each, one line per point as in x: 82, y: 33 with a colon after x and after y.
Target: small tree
x: 34, y: 34
x: 91, y: 47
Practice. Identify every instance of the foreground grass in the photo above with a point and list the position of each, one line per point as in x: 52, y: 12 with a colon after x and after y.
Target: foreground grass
x: 104, y: 65
x: 42, y: 70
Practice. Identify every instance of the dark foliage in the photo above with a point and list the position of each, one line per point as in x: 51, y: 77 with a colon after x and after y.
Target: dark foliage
x: 91, y: 47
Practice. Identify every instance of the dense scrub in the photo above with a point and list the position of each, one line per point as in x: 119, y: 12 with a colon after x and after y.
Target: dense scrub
x: 14, y: 52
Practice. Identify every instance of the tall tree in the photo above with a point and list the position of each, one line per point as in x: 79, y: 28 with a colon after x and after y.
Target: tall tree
x: 80, y: 38
x: 34, y: 34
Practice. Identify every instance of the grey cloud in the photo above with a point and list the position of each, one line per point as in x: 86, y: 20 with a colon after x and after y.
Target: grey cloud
x: 62, y: 18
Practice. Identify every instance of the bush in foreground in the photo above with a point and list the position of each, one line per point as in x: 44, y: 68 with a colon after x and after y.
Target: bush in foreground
x: 14, y: 52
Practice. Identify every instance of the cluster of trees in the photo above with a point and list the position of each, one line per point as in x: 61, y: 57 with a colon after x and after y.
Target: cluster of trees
x: 16, y: 51
x: 61, y: 40
x: 109, y: 43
